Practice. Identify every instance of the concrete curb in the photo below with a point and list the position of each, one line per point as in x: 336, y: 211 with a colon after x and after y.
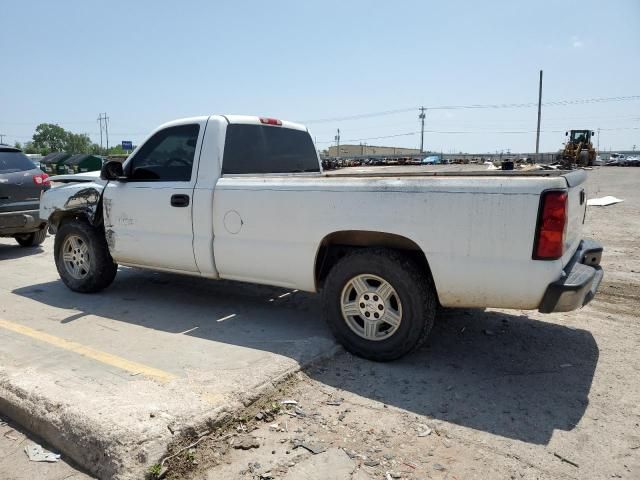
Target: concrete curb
x: 116, y: 454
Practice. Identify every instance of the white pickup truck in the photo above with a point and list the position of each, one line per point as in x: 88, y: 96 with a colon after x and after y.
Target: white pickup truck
x: 244, y: 198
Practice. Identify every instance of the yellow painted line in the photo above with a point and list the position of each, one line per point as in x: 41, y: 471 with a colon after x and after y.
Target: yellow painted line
x: 103, y: 357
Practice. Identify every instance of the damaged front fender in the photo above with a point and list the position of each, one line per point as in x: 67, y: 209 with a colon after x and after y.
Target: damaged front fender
x: 72, y: 200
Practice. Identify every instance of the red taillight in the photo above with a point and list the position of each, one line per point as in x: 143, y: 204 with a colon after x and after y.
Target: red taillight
x: 551, y: 226
x: 270, y: 121
x: 41, y: 179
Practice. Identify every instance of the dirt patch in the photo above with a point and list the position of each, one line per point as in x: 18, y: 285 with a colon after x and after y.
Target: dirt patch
x: 209, y: 447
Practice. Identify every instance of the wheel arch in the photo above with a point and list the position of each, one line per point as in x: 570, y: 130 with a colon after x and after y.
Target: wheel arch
x: 337, y: 244
x: 86, y: 204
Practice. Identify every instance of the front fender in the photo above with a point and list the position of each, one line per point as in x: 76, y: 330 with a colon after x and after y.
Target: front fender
x: 72, y: 199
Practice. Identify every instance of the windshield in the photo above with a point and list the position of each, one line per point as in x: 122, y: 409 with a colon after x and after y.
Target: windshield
x: 13, y: 161
x: 579, y: 135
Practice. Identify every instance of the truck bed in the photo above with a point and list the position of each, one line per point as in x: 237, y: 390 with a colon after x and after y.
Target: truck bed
x: 573, y: 177
x: 439, y: 170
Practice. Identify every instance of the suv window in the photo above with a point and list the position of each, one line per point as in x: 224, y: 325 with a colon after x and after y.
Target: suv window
x: 267, y: 149
x: 166, y: 156
x: 14, y: 161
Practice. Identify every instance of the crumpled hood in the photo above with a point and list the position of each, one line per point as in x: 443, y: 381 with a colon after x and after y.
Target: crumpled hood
x: 79, y: 194
x: 78, y: 177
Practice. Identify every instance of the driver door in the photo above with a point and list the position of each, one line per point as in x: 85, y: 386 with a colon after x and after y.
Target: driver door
x: 148, y: 216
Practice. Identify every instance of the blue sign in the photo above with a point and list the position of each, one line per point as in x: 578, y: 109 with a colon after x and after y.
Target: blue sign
x: 127, y: 145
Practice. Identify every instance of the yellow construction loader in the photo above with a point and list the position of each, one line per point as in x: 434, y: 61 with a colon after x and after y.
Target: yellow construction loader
x: 578, y: 151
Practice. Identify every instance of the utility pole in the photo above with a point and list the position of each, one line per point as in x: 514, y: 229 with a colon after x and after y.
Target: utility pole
x: 337, y: 139
x: 539, y: 114
x: 102, y: 117
x: 421, y: 117
x: 2, y: 135
x: 598, y: 147
x: 100, y: 123
x: 106, y: 129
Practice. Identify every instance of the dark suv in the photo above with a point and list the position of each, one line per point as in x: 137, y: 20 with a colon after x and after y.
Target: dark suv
x: 21, y: 184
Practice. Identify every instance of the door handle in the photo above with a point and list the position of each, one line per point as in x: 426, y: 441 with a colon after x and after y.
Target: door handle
x: 179, y: 200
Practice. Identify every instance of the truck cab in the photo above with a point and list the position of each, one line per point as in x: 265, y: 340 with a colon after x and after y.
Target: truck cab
x: 166, y: 183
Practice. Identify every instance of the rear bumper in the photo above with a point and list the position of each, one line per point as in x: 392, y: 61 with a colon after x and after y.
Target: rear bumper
x: 579, y: 282
x: 25, y: 221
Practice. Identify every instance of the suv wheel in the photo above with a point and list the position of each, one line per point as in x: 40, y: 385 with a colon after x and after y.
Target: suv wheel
x: 32, y: 239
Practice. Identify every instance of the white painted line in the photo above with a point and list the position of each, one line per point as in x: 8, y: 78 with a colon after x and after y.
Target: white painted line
x: 284, y: 295
x: 190, y: 330
x: 226, y: 318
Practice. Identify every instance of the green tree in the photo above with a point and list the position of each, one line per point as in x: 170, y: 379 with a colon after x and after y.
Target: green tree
x: 77, y: 143
x: 29, y: 148
x: 117, y: 150
x: 48, y: 138
x: 18, y: 145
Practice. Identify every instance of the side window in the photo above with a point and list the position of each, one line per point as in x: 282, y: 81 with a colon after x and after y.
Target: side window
x: 166, y: 156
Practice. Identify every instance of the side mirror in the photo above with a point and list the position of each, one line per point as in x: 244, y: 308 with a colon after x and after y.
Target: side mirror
x: 111, y: 170
x: 566, y: 133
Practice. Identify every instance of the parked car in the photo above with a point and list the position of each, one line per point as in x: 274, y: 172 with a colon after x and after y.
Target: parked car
x: 21, y: 184
x: 244, y: 198
x: 432, y: 159
x: 617, y: 159
x: 633, y: 161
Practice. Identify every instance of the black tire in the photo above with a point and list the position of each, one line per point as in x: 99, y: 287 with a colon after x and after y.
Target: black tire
x: 32, y: 239
x: 583, y: 159
x: 413, y: 287
x: 102, y: 269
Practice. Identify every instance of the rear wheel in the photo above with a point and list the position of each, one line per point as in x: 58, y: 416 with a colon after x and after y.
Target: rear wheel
x: 82, y: 257
x: 32, y: 239
x: 379, y: 304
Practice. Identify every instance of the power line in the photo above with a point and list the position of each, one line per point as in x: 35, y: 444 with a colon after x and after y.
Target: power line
x: 54, y: 123
x: 470, y: 132
x: 360, y: 116
x: 373, y: 138
x: 557, y: 103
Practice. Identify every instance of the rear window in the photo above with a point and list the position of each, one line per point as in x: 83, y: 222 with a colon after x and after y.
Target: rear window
x: 266, y: 149
x: 14, y: 162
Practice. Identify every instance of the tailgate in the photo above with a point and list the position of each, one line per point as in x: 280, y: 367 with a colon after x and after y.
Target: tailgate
x: 576, y: 183
x: 19, y: 192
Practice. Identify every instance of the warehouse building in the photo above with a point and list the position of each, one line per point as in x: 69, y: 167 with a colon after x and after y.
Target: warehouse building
x: 359, y: 150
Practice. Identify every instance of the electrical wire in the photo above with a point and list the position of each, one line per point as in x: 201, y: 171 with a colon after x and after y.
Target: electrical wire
x: 558, y: 103
x: 468, y: 132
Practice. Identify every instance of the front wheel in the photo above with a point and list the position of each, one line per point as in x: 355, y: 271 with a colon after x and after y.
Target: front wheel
x: 82, y: 257
x: 379, y: 304
x: 32, y: 239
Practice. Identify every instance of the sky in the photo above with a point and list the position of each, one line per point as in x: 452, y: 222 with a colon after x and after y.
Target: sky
x: 323, y: 63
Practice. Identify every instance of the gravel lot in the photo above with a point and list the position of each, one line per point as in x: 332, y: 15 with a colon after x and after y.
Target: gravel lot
x: 493, y: 394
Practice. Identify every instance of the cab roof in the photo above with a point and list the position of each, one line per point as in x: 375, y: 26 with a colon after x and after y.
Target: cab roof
x: 238, y: 119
